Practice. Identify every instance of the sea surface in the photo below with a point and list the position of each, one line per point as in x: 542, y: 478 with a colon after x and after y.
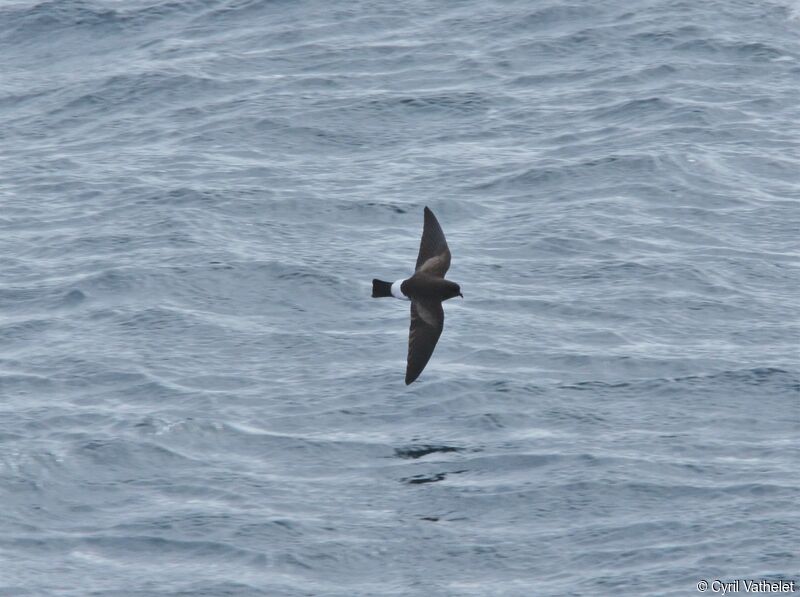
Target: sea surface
x: 199, y: 397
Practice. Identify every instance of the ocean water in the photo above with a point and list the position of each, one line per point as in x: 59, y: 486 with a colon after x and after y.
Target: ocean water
x: 199, y: 397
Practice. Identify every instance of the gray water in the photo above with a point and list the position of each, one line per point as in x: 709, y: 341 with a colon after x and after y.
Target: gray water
x: 199, y: 397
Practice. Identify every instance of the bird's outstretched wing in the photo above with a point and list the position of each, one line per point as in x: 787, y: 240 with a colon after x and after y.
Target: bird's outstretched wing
x: 434, y: 254
x: 427, y: 322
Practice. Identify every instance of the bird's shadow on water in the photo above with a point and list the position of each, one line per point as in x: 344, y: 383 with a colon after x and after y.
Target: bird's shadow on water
x: 416, y: 451
x: 419, y: 450
x: 421, y: 479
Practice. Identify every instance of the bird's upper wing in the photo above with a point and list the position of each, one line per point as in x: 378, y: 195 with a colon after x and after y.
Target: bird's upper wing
x: 427, y: 322
x: 434, y: 254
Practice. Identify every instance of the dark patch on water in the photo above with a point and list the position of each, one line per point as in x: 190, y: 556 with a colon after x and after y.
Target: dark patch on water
x: 435, y: 478
x: 423, y: 450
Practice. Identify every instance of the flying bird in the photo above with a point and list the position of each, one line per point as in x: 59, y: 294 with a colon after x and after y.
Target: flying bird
x: 426, y: 290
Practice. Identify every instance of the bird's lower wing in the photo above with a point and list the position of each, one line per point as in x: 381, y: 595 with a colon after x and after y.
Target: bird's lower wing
x: 427, y: 322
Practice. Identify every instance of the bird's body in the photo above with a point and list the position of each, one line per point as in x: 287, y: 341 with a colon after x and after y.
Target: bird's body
x: 426, y: 290
x: 424, y: 287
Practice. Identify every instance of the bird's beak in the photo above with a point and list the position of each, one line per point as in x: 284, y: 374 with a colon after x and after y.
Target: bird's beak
x: 461, y: 295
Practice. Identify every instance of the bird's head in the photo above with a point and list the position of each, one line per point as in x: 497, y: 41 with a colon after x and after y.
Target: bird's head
x: 453, y: 290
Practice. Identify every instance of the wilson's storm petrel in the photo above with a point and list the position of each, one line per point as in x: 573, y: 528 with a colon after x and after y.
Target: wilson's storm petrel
x: 426, y: 290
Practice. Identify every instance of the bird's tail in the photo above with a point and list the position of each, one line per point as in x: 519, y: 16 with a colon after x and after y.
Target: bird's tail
x: 381, y: 288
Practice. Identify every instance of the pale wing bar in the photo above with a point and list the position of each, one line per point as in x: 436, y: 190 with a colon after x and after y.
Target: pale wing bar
x: 434, y: 254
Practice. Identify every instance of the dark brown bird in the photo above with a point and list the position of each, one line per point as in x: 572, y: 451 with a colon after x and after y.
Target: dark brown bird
x: 426, y: 290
